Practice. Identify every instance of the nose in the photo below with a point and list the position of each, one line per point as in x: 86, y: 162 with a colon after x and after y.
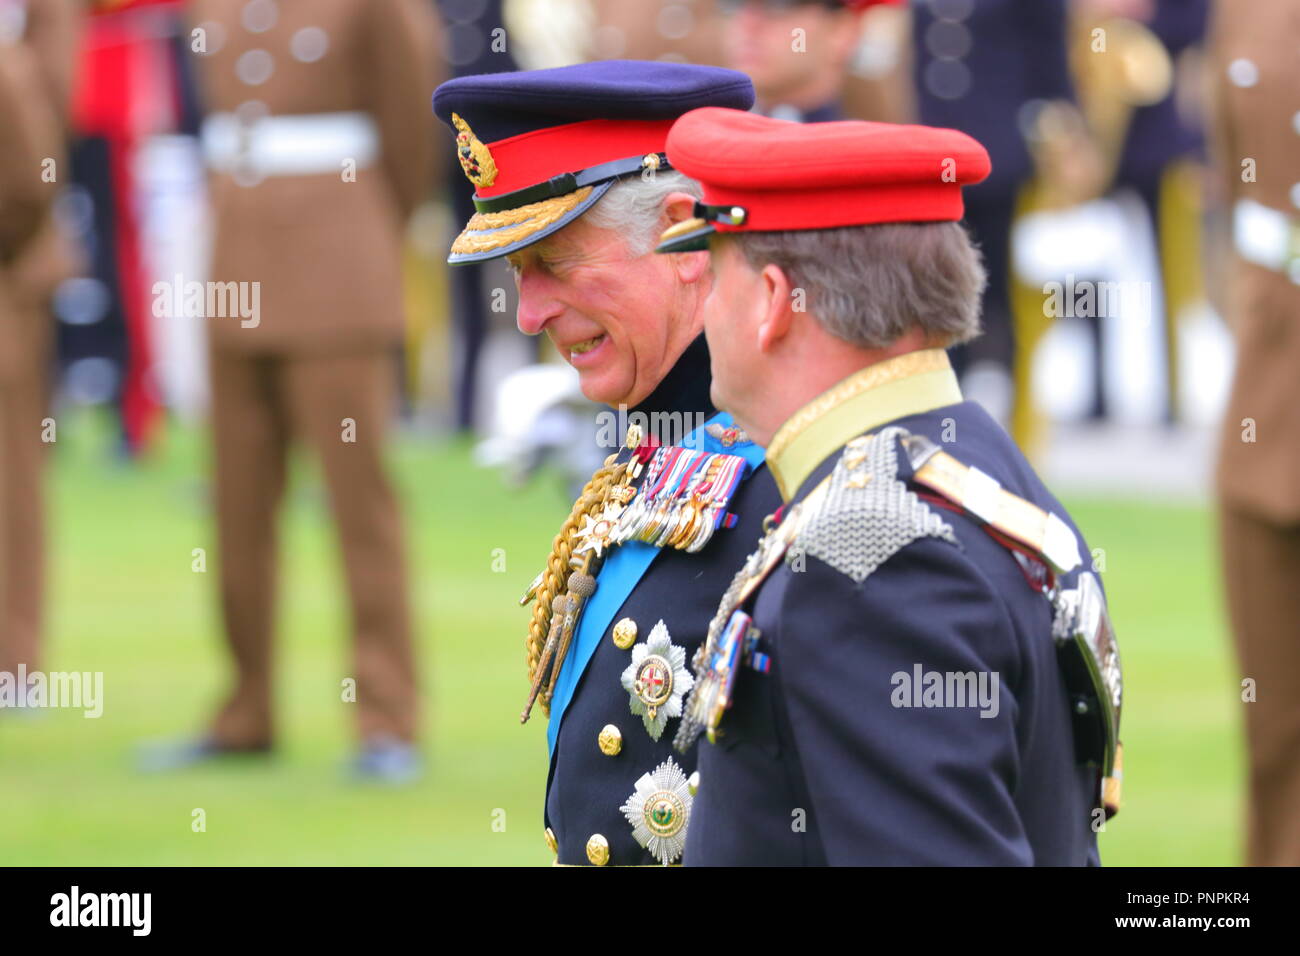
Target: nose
x: 537, y: 303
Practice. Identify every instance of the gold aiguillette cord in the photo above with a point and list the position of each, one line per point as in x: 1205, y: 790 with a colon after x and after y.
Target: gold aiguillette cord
x: 565, y: 611
x: 609, y: 483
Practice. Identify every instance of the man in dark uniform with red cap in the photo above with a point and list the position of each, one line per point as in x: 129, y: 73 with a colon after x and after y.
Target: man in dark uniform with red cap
x: 571, y: 187
x: 895, y: 676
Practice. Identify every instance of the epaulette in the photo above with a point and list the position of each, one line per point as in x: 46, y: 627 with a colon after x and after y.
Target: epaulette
x: 863, y: 514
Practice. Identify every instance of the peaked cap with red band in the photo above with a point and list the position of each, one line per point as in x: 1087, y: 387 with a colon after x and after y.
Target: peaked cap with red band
x: 768, y: 175
x: 542, y: 146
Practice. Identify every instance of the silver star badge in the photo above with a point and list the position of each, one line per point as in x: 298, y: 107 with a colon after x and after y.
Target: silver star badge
x: 657, y: 679
x: 659, y: 810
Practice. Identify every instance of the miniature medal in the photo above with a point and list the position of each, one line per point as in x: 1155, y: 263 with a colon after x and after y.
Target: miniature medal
x: 716, y: 685
x: 596, y: 531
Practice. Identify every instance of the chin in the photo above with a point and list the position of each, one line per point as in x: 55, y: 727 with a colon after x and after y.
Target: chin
x: 721, y: 400
x: 599, y: 389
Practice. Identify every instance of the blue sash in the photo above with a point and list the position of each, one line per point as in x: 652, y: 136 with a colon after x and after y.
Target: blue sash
x: 619, y: 575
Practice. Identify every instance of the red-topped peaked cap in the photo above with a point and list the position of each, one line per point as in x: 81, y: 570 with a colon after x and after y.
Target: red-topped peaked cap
x: 766, y: 175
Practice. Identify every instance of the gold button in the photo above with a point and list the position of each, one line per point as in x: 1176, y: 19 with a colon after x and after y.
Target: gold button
x: 598, y: 850
x: 551, y: 841
x: 610, y: 740
x: 625, y: 633
x: 692, y: 784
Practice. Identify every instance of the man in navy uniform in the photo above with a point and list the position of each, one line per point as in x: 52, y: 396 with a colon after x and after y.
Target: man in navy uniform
x: 572, y: 187
x: 902, y: 672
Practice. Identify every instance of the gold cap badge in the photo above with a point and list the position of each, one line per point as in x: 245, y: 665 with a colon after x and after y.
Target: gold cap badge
x: 475, y: 158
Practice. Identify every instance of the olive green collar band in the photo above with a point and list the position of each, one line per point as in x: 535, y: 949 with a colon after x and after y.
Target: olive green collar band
x: 905, y: 385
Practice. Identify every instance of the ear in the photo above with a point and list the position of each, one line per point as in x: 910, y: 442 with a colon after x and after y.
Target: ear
x: 689, y: 266
x: 777, y: 314
x: 678, y: 207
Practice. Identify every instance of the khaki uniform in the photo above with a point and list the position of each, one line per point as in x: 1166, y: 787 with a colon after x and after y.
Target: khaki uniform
x: 320, y: 139
x: 1257, y: 107
x: 39, y: 65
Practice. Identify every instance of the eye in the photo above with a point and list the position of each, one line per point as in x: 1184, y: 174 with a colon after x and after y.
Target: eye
x: 547, y: 266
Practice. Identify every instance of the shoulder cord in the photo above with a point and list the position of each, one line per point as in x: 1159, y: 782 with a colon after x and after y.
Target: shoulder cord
x: 555, y: 579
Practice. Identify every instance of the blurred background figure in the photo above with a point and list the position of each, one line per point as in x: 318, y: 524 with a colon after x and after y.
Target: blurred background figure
x: 1256, y: 144
x: 1150, y: 119
x: 801, y: 54
x: 318, y: 135
x: 474, y: 42
x: 37, y: 40
x: 132, y: 87
x: 979, y: 66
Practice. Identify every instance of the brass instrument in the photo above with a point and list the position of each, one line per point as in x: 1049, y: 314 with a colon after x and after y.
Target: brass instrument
x: 1118, y: 65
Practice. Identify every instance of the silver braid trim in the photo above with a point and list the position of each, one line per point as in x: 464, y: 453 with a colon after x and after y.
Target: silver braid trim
x: 868, y: 515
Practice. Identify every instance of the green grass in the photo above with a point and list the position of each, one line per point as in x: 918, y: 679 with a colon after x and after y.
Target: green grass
x: 124, y: 600
x: 1183, y: 745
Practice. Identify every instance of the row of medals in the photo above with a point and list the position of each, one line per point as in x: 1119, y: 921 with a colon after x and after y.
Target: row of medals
x: 667, y: 520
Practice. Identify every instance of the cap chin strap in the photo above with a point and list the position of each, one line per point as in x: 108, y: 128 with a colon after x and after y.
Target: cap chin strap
x: 566, y: 183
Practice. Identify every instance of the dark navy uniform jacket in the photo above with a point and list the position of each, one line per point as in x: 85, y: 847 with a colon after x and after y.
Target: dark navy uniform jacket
x: 585, y: 787
x: 816, y: 765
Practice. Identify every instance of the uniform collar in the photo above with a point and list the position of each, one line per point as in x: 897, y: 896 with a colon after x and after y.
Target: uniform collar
x: 685, y: 388
x: 904, y: 385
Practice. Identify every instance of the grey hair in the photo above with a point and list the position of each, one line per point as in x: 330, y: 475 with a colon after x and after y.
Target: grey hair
x: 633, y: 207
x: 870, y: 285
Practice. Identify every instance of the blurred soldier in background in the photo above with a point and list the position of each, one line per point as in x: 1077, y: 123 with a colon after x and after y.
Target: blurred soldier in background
x: 978, y: 65
x: 37, y: 40
x: 320, y: 144
x: 653, y: 30
x: 797, y: 52
x: 471, y: 48
x: 131, y: 86
x: 1256, y: 145
x: 1140, y: 102
x: 1162, y: 160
